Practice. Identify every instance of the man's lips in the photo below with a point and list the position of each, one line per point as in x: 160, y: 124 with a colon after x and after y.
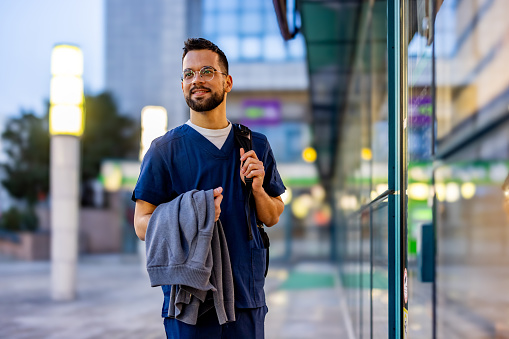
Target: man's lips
x: 199, y: 91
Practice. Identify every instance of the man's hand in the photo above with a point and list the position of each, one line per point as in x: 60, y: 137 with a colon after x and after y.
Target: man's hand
x: 218, y: 197
x: 252, y: 168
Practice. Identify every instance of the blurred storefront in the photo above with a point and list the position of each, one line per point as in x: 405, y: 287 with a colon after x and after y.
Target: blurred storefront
x: 410, y: 121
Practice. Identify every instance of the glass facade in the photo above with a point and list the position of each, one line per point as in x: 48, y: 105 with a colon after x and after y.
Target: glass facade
x: 449, y: 276
x: 248, y: 31
x: 472, y: 97
x: 362, y: 178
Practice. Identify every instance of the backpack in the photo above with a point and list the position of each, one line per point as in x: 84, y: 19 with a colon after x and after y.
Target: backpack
x: 243, y: 139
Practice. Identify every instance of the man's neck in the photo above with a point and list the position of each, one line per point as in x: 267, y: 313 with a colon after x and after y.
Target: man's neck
x: 215, y: 119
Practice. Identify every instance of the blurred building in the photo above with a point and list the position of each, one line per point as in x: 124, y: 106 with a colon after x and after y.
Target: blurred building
x: 144, y: 44
x: 143, y: 55
x: 410, y: 107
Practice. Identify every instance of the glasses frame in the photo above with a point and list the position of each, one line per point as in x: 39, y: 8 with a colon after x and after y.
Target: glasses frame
x: 195, y: 73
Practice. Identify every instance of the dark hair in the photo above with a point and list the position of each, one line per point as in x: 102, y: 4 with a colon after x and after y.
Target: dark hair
x: 196, y: 44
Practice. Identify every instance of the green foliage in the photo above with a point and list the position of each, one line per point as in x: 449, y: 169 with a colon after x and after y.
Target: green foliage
x: 16, y: 220
x: 26, y: 144
x: 107, y: 135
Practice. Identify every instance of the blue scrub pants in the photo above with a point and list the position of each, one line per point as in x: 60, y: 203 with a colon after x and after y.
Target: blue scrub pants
x: 249, y: 324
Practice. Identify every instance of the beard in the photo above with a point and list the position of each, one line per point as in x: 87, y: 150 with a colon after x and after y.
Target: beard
x: 203, y: 104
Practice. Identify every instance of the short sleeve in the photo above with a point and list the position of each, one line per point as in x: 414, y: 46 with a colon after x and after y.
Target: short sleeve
x: 154, y: 183
x: 272, y: 184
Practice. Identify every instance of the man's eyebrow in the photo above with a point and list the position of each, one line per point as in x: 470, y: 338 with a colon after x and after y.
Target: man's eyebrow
x: 206, y: 66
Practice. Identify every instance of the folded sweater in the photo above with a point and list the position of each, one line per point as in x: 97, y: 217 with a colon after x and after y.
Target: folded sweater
x: 186, y: 247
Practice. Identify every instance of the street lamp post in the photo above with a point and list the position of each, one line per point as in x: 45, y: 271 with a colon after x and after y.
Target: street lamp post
x: 154, y: 123
x: 66, y: 126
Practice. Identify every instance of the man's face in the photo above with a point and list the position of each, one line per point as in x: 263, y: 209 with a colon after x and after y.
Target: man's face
x: 201, y: 95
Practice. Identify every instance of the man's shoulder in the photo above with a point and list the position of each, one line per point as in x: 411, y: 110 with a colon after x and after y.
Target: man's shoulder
x: 171, y: 136
x: 259, y: 138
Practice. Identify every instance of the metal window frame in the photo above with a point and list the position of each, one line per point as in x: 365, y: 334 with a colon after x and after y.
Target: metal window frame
x: 397, y: 166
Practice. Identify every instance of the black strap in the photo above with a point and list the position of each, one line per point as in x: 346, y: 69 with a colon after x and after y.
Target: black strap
x: 243, y: 139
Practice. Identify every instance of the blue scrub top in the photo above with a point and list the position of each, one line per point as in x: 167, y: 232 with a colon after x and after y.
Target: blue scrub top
x: 183, y: 160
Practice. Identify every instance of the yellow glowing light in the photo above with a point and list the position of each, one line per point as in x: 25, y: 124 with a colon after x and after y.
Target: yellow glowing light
x: 440, y: 191
x: 468, y: 190
x: 452, y: 192
x: 287, y: 196
x: 66, y: 119
x: 301, y: 206
x: 318, y: 193
x: 381, y: 188
x: 112, y: 175
x: 418, y: 191
x: 66, y: 60
x: 154, y: 123
x: 66, y: 90
x: 373, y: 195
x: 366, y: 154
x: 309, y: 154
x: 348, y: 202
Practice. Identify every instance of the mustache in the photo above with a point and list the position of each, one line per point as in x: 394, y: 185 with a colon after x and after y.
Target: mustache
x: 194, y: 88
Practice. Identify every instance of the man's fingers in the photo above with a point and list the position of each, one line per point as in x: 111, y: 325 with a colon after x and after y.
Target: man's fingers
x: 250, y: 166
x: 217, y: 200
x: 218, y: 191
x: 255, y: 173
x: 244, y: 156
x: 217, y: 203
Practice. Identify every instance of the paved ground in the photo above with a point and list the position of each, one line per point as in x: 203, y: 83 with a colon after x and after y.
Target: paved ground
x: 115, y: 301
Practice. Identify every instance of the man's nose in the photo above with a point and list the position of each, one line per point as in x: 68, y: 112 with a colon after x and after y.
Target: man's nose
x: 197, y: 78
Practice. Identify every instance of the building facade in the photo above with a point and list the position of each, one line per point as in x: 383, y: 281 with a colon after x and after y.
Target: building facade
x: 417, y: 97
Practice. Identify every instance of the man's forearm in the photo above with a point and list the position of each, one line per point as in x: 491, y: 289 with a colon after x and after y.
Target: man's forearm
x: 142, y: 213
x: 140, y: 225
x: 268, y: 209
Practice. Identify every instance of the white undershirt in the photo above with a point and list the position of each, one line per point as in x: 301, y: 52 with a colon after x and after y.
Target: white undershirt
x: 215, y: 136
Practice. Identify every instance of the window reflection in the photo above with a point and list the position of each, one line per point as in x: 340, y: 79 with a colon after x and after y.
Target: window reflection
x: 472, y: 99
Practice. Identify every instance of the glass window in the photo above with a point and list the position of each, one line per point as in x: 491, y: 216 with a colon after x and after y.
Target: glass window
x: 271, y: 25
x: 472, y: 182
x: 227, y: 23
x: 230, y: 46
x: 255, y: 5
x: 209, y: 25
x: 254, y: 24
x: 274, y: 48
x: 209, y: 5
x: 227, y: 4
x: 251, y: 48
x: 296, y: 47
x: 251, y: 23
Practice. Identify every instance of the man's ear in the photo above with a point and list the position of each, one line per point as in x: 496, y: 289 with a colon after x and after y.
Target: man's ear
x: 228, y: 84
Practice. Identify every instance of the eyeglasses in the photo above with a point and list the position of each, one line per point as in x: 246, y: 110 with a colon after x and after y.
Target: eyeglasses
x: 206, y: 73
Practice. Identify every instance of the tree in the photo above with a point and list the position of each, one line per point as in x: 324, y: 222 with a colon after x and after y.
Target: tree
x: 26, y: 143
x: 107, y: 135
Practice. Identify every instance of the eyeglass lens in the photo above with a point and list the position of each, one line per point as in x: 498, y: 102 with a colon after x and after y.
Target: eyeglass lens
x: 206, y: 73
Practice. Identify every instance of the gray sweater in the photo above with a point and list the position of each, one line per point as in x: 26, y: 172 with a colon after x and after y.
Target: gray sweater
x: 187, y: 249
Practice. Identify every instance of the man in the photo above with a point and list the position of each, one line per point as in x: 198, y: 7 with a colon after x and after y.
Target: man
x: 202, y: 154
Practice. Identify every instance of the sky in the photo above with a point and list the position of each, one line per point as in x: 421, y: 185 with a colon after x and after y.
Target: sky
x: 28, y: 31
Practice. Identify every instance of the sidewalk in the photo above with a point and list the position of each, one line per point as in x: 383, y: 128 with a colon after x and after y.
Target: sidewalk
x: 115, y: 300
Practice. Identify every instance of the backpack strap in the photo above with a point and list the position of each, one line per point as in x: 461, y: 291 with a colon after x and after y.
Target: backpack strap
x: 243, y: 139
